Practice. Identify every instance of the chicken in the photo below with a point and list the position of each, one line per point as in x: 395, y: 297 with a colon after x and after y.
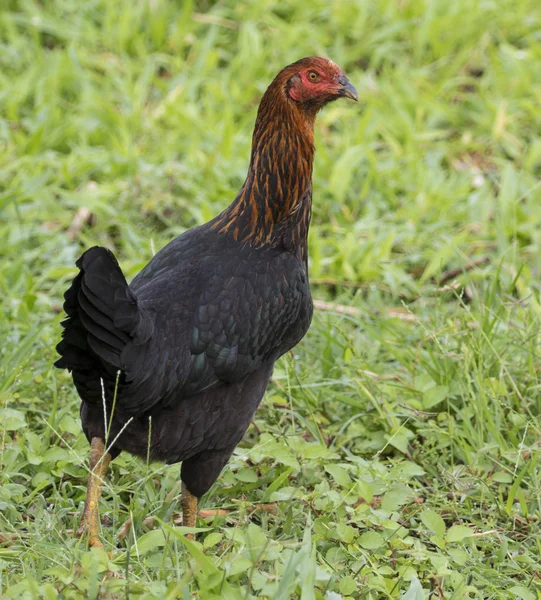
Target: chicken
x: 173, y: 366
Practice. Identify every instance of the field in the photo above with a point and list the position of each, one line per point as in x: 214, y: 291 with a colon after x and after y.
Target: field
x: 397, y: 452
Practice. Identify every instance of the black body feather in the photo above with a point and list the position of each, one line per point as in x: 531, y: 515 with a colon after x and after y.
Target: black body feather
x: 194, y: 339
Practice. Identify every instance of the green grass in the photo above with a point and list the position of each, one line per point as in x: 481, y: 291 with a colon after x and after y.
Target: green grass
x: 400, y: 443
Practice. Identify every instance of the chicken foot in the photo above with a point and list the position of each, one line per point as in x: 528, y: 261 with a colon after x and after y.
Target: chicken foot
x: 90, y: 521
x: 189, y: 504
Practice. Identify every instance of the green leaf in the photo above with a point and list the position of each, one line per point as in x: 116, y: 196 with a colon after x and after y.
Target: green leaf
x: 69, y: 425
x: 502, y: 477
x: 277, y: 483
x: 95, y: 560
x: 345, y: 533
x: 11, y: 419
x: 256, y: 540
x: 285, y: 456
x: 523, y: 592
x: 414, y: 592
x: 366, y: 490
x: 212, y: 539
x: 55, y: 454
x: 396, y: 497
x: 289, y: 577
x: 308, y: 567
x: 284, y: 494
x: 315, y: 451
x: 347, y: 586
x: 457, y: 533
x: 371, y: 540
x: 435, y: 395
x: 433, y: 522
x: 246, y: 475
x: 240, y: 565
x: 339, y: 474
x: 458, y: 555
x: 206, y: 565
x: 400, y: 438
x: 147, y: 542
x: 406, y: 470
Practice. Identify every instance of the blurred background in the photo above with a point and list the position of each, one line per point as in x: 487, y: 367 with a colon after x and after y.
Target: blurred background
x: 399, y: 443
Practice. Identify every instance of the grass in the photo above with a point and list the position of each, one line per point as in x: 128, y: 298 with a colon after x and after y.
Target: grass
x: 399, y: 443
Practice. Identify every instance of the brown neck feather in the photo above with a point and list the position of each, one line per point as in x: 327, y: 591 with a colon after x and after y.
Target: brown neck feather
x: 276, y: 196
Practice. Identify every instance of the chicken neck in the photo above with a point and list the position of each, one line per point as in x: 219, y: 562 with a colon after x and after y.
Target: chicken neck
x: 274, y: 203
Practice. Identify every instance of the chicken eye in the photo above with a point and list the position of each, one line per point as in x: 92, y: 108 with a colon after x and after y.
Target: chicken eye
x: 313, y: 76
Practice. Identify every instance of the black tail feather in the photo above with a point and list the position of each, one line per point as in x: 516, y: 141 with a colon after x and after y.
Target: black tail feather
x: 103, y: 319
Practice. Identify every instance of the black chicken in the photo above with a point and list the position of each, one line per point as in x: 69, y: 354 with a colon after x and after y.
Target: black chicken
x: 173, y: 366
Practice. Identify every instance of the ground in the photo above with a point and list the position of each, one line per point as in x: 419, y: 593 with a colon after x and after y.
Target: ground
x: 397, y: 452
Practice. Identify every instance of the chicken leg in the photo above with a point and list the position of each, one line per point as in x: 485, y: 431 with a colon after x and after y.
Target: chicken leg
x: 99, y: 461
x: 189, y: 504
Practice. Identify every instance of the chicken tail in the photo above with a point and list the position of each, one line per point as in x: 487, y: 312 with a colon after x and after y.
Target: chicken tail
x: 103, y: 316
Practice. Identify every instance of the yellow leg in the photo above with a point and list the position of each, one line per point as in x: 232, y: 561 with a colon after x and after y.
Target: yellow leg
x: 90, y: 522
x: 189, y: 505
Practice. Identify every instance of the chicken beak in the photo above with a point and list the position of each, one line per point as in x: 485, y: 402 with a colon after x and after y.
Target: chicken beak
x: 346, y: 89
